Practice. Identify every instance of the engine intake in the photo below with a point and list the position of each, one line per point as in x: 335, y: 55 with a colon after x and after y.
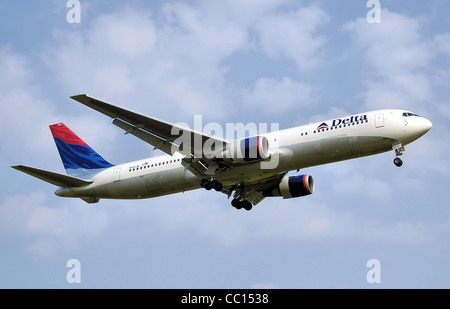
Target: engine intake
x: 292, y: 186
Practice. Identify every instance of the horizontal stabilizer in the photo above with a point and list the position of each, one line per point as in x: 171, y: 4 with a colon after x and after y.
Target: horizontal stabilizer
x: 56, y: 179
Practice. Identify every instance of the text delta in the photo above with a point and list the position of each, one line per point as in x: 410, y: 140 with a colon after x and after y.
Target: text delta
x: 358, y: 118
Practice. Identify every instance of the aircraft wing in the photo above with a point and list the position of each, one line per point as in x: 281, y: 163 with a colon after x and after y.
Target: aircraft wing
x: 162, y: 135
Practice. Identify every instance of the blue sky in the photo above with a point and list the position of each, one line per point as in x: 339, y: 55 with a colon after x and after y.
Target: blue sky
x: 286, y: 62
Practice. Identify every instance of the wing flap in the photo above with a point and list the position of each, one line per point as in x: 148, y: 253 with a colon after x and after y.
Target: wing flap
x: 255, y: 197
x: 53, y: 178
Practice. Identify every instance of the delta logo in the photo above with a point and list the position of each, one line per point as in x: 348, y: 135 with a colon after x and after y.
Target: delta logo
x: 322, y: 126
x: 352, y: 119
x: 343, y: 121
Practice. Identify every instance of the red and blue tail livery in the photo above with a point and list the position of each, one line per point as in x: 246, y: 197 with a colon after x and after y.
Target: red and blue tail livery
x: 78, y: 158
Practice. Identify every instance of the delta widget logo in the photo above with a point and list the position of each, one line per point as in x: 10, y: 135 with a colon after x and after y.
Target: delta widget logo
x: 322, y: 126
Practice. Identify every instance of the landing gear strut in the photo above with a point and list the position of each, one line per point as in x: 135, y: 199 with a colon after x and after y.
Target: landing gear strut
x: 399, y: 149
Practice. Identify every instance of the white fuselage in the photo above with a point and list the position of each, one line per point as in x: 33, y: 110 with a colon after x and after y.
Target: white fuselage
x: 291, y: 149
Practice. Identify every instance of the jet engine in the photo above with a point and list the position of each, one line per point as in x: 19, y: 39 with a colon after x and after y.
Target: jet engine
x: 249, y: 149
x: 292, y: 186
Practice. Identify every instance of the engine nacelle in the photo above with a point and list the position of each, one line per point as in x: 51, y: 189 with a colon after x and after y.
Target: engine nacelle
x: 292, y: 186
x: 249, y: 149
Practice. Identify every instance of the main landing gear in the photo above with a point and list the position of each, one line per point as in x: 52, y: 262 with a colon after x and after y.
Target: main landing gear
x: 238, y: 202
x: 208, y: 185
x: 399, y: 149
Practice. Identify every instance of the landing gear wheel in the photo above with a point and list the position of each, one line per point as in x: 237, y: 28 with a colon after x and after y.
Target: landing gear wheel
x: 399, y: 149
x: 203, y: 183
x: 398, y: 162
x: 247, y: 205
x: 208, y: 185
x: 236, y: 204
x: 216, y: 185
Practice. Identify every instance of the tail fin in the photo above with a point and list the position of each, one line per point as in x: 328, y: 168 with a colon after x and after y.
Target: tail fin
x: 78, y: 158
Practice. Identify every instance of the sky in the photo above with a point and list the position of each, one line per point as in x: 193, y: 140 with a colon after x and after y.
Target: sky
x: 286, y: 62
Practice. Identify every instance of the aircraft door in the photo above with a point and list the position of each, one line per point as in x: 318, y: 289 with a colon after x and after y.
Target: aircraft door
x: 116, y: 175
x: 379, y: 120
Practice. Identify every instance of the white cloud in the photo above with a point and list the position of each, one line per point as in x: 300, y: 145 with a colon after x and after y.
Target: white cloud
x: 397, y: 56
x: 245, y: 13
x: 105, y: 56
x: 130, y: 34
x: 331, y: 113
x: 175, y: 60
x: 28, y: 111
x: 443, y: 42
x: 25, y: 113
x: 278, y: 97
x: 292, y: 35
x: 126, y: 58
x: 411, y: 91
x: 395, y: 45
x: 407, y: 233
x: 211, y: 216
x: 50, y: 230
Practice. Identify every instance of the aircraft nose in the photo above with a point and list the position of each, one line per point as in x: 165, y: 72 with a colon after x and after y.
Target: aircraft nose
x: 426, y: 125
x: 418, y: 126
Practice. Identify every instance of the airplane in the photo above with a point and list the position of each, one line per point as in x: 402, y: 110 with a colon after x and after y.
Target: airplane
x: 248, y: 169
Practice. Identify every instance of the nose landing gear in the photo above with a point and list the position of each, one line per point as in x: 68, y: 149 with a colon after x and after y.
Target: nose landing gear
x: 399, y: 149
x: 398, y: 162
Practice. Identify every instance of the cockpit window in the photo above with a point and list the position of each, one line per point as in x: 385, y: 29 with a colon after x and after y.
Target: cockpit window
x: 410, y: 115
